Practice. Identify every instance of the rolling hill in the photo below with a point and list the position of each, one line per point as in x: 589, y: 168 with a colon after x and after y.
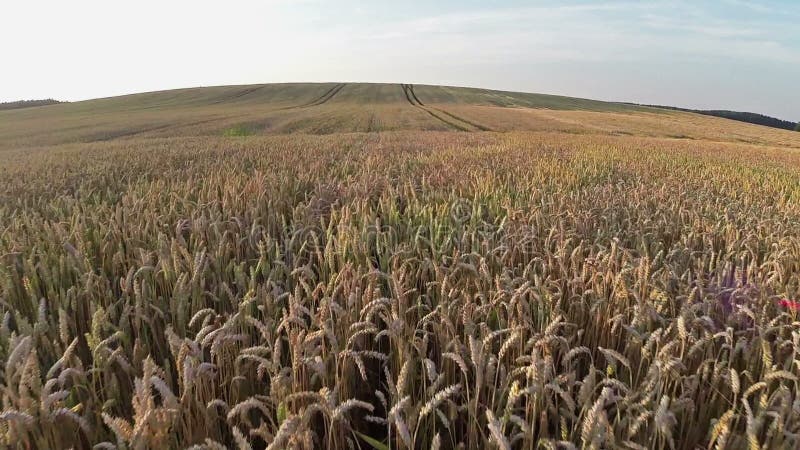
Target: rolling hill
x: 350, y: 107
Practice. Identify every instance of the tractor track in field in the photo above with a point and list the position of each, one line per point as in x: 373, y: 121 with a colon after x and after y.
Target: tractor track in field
x: 326, y: 96
x: 408, y: 96
x: 417, y: 104
x: 441, y: 115
x: 471, y: 123
x: 414, y: 95
x: 451, y: 115
x: 238, y: 95
x: 445, y: 121
x: 329, y: 94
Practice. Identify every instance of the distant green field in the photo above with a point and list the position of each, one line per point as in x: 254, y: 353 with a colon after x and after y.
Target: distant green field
x: 328, y: 108
x: 313, y: 108
x: 298, y: 94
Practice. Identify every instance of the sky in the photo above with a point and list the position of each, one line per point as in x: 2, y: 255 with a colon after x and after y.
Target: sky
x: 723, y: 54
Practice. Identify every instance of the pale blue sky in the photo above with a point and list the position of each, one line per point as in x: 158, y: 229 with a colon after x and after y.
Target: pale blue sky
x: 731, y: 54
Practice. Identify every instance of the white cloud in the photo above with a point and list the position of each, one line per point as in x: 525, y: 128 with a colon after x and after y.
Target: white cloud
x: 612, y: 31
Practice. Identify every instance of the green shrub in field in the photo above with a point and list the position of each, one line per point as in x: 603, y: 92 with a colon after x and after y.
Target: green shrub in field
x: 238, y: 130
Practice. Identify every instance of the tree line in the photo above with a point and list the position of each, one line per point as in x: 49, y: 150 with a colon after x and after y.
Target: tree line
x: 28, y: 103
x: 758, y: 119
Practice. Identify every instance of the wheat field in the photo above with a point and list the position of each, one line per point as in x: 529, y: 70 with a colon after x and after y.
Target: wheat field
x: 556, y: 276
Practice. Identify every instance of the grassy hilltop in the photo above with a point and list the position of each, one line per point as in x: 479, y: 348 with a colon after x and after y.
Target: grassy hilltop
x: 394, y: 266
